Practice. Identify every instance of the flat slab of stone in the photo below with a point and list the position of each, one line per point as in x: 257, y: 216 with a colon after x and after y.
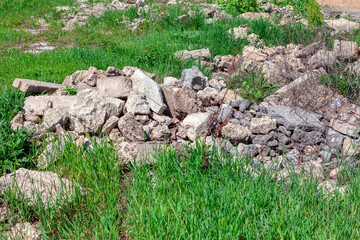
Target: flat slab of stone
x: 22, y: 231
x: 295, y: 117
x: 344, y: 128
x: 342, y: 24
x: 116, y: 87
x: 33, y: 86
x: 38, y: 104
x: 262, y: 125
x: 34, y: 186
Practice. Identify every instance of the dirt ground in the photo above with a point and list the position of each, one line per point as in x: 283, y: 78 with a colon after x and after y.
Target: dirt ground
x: 348, y: 4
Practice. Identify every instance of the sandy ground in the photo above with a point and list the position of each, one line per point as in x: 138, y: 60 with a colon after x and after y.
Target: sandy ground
x: 348, y: 4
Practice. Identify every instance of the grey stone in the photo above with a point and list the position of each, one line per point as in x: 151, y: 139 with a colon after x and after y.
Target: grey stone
x: 212, y: 109
x: 202, y: 54
x: 307, y: 138
x: 31, y: 117
x: 315, y: 169
x: 255, y: 107
x: 196, y: 125
x: 345, y: 50
x: 23, y: 231
x: 247, y: 150
x: 220, y: 144
x: 273, y: 143
x: 90, y: 111
x: 206, y: 95
x: 33, y: 86
x: 143, y: 119
x: 235, y: 121
x: 325, y: 155
x: 323, y: 58
x: 235, y: 103
x: 171, y: 81
x: 260, y: 114
x: 283, y: 130
x: 236, y: 133
x: 55, y: 116
x: 110, y: 124
x: 244, y: 105
x: 262, y: 139
x: 283, y: 139
x: 18, y: 121
x: 152, y: 91
x: 140, y: 152
x: 116, y: 87
x: 239, y: 115
x: 334, y: 139
x: 342, y: 24
x: 208, y: 13
x: 292, y: 159
x: 240, y: 32
x: 129, y: 71
x: 137, y: 104
x: 217, y: 84
x: 262, y: 125
x: 131, y: 129
x: 114, y: 72
x: 182, y: 102
x: 295, y: 117
x: 194, y: 78
x: 245, y: 123
x: 160, y: 133
x: 162, y: 119
x: 310, y: 50
x: 225, y: 113
x: 33, y: 185
x: 345, y: 128
x: 271, y: 165
x: 38, y: 104
x: 333, y: 164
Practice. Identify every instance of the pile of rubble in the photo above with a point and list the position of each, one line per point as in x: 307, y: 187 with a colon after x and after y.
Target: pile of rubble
x: 282, y: 64
x: 304, y: 127
x: 136, y: 111
x: 84, y: 11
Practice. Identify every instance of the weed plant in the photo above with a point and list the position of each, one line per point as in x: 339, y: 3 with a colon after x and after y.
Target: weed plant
x: 15, y: 148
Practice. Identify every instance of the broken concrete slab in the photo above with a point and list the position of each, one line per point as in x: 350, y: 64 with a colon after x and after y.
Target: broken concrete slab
x: 38, y: 104
x: 36, y: 186
x: 116, y: 87
x: 152, y: 91
x: 344, y: 128
x: 197, y: 124
x: 295, y: 117
x: 33, y: 86
x: 342, y: 24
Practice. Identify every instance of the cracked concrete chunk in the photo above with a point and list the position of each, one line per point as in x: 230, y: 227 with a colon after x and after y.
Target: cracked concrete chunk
x: 152, y: 91
x: 23, y: 231
x: 196, y: 124
x: 33, y: 86
x: 38, y: 187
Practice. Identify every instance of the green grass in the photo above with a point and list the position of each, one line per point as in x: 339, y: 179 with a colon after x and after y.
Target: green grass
x: 223, y: 201
x: 150, y: 48
x: 15, y: 149
x: 97, y: 214
x: 177, y: 199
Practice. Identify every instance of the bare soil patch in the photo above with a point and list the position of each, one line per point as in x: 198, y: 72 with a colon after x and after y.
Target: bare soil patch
x: 348, y: 4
